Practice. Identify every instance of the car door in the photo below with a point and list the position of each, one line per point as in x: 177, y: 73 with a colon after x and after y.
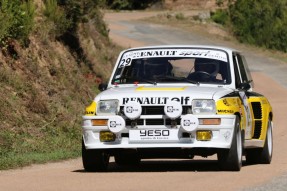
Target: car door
x: 243, y: 83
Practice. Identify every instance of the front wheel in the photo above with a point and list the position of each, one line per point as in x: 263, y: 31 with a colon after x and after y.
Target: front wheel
x: 94, y: 160
x: 231, y: 159
x: 262, y: 155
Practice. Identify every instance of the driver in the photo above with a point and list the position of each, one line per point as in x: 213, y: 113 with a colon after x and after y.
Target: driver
x: 205, y: 70
x: 157, y: 68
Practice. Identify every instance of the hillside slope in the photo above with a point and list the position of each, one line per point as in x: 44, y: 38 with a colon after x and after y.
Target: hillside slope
x: 45, y: 87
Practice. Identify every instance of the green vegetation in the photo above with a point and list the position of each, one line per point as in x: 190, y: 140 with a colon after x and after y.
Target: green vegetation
x: 16, y: 20
x: 262, y: 22
x: 128, y: 4
x: 51, y: 52
x: 220, y: 16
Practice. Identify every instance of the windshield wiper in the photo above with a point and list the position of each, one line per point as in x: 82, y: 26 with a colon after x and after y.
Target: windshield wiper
x: 147, y: 81
x: 139, y: 80
x: 178, y: 79
x: 190, y: 81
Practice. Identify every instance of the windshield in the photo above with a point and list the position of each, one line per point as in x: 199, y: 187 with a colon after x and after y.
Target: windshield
x: 173, y: 66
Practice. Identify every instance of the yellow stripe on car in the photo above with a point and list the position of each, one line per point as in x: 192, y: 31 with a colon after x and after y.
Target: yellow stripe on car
x: 160, y: 88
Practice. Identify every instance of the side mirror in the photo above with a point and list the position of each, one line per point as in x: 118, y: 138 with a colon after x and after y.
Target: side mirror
x: 102, y: 87
x: 245, y: 86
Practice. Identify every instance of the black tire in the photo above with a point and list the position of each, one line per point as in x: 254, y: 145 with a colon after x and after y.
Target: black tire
x: 127, y: 159
x: 94, y: 160
x: 231, y: 159
x: 262, y: 155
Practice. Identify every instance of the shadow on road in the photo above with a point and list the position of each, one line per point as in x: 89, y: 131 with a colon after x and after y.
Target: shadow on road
x: 165, y: 166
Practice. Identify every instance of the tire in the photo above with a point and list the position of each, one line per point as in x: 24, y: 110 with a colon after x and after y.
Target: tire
x: 127, y: 159
x: 231, y: 159
x: 94, y: 160
x: 262, y: 155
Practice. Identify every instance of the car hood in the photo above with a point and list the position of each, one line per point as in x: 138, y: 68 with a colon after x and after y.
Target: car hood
x: 159, y: 95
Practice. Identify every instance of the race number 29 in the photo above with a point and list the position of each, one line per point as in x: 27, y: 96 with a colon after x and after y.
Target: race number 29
x: 125, y: 62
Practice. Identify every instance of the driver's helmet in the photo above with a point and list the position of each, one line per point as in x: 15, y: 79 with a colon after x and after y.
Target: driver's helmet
x: 154, y: 68
x: 206, y: 65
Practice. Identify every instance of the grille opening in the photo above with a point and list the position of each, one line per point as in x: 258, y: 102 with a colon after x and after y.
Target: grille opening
x: 168, y: 121
x: 139, y: 122
x: 257, y: 110
x: 158, y: 110
x: 185, y: 135
x: 125, y: 134
x: 257, y: 129
x: 154, y: 121
x: 152, y: 110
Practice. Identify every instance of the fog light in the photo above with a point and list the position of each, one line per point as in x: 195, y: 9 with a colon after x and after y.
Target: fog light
x: 99, y: 122
x: 203, y: 135
x: 212, y: 121
x: 134, y: 124
x: 173, y: 123
x: 107, y: 136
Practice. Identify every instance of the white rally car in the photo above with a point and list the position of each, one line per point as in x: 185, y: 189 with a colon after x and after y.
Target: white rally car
x: 178, y: 102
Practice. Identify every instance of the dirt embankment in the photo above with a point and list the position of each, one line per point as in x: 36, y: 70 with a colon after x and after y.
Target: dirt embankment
x: 190, y: 4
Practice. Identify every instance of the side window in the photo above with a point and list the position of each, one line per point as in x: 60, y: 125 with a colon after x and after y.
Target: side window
x: 242, y: 73
x: 247, y: 71
x: 242, y: 69
x: 236, y: 71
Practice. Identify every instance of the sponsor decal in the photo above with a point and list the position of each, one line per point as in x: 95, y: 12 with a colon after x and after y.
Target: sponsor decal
x: 156, y: 133
x: 90, y: 112
x: 157, y: 100
x: 188, y: 122
x: 114, y: 124
x: 225, y: 111
x: 200, y: 53
x: 225, y: 102
x: 152, y: 134
x: 212, y: 54
x: 150, y: 53
x: 171, y: 109
x: 130, y: 109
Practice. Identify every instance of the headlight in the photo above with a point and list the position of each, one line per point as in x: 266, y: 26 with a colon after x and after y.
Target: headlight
x: 203, y: 107
x: 107, y: 107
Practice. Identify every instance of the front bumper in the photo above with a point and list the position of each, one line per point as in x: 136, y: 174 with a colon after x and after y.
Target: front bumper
x: 221, y: 134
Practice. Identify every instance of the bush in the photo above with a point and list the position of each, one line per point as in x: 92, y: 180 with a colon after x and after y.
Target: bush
x: 260, y: 22
x: 129, y: 4
x: 220, y: 16
x: 16, y: 20
x: 57, y: 16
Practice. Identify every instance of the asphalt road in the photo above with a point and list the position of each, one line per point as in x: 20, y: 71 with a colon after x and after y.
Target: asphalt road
x: 198, y: 174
